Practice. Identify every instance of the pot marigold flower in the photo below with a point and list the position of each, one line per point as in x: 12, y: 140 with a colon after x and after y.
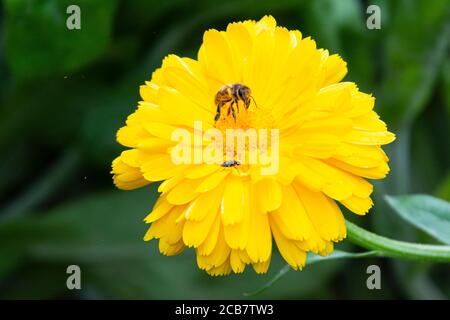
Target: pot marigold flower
x: 322, y: 139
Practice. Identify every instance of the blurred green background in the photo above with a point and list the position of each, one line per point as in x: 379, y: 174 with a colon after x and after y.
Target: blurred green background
x: 64, y: 93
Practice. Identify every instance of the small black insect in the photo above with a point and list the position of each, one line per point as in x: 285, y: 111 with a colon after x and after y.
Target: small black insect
x: 230, y: 163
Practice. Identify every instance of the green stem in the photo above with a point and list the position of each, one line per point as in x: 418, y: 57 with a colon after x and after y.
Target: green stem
x: 397, y: 249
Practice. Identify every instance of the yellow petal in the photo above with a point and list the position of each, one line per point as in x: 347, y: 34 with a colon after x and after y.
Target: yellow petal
x: 170, y: 101
x: 162, y: 206
x: 199, y: 171
x: 204, y: 204
x: 210, y: 242
x: 236, y: 263
x: 153, y: 145
x: 293, y: 255
x: 323, y: 212
x: 166, y: 226
x: 232, y: 207
x: 236, y: 235
x: 170, y: 183
x: 360, y: 156
x: 369, y: 122
x: 184, y: 192
x: 170, y: 249
x: 291, y: 218
x: 186, y: 76
x: 358, y: 205
x: 261, y: 267
x: 370, y: 138
x: 377, y: 172
x: 314, y: 243
x: 149, y: 91
x: 160, y: 167
x: 337, y: 183
x: 127, y: 177
x: 316, y: 145
x: 335, y: 69
x: 176, y: 231
x: 259, y: 245
x: 334, y: 125
x: 261, y: 54
x: 195, y: 232
x: 307, y: 177
x: 240, y: 42
x: 222, y: 270
x: 134, y: 158
x: 161, y: 130
x: 219, y: 63
x: 269, y: 194
x: 220, y: 253
x: 130, y: 136
x: 212, y: 181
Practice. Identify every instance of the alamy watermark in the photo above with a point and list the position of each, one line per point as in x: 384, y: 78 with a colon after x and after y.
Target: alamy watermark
x: 74, y: 279
x: 374, y: 280
x: 229, y: 148
x: 374, y: 19
x: 73, y: 21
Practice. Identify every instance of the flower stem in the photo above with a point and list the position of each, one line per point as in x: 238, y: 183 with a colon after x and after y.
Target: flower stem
x: 397, y: 249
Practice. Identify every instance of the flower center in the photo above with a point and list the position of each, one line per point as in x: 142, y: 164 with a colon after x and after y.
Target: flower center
x: 237, y: 109
x: 244, y: 117
x: 241, y: 119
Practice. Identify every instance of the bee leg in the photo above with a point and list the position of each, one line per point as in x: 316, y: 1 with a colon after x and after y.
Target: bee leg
x: 233, y: 112
x: 217, y: 113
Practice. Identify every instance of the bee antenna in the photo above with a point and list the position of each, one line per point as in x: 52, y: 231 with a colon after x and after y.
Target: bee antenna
x: 254, y: 101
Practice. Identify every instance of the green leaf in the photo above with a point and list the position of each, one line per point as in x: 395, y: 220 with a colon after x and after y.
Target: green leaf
x: 429, y: 214
x: 312, y: 259
x: 54, y: 48
x: 416, y: 44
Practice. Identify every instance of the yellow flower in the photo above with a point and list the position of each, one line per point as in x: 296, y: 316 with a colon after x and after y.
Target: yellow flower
x: 329, y: 142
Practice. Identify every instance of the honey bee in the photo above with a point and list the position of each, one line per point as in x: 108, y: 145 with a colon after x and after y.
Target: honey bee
x: 232, y: 93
